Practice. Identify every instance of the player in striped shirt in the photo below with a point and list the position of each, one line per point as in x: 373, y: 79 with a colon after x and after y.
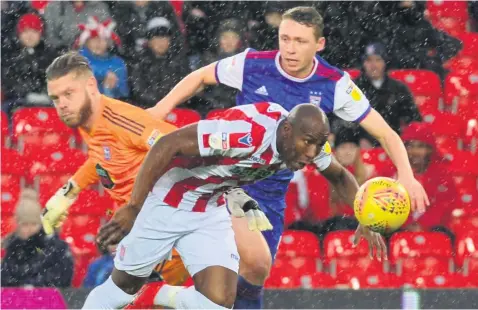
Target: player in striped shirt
x: 177, y: 200
x: 294, y: 74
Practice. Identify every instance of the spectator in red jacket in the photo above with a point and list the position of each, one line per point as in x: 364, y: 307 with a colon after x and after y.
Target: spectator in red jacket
x: 431, y: 170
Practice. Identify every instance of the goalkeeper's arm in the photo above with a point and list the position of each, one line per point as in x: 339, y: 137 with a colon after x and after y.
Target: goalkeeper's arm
x: 56, y: 209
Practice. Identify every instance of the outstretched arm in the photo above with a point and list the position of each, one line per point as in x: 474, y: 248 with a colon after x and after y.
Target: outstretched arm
x: 181, y: 142
x: 191, y: 85
x: 393, y: 145
x: 346, y: 186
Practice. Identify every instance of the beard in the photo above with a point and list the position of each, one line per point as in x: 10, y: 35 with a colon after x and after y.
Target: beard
x: 82, y: 116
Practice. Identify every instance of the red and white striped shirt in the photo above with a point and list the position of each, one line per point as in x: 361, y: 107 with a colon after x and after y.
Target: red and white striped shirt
x: 237, y: 149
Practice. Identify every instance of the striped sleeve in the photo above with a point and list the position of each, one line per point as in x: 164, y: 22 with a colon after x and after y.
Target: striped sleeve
x: 229, y: 138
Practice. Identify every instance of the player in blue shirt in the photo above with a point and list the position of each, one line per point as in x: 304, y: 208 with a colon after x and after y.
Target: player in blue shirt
x: 290, y: 76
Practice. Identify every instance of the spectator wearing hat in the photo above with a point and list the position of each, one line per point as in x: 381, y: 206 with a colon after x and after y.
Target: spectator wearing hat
x: 63, y: 17
x: 96, y: 41
x: 227, y: 42
x: 32, y: 258
x: 133, y: 18
x: 158, y: 69
x: 431, y: 169
x: 391, y: 98
x: 23, y: 72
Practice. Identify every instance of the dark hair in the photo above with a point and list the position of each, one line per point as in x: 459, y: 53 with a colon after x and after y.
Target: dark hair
x: 67, y: 63
x: 307, y: 16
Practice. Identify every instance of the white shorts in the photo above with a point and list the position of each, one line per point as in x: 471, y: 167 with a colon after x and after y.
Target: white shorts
x: 203, y: 239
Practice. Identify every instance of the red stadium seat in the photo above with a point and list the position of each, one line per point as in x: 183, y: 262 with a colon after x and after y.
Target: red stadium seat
x: 459, y: 86
x: 420, y: 82
x: 93, y: 203
x: 183, y: 117
x: 8, y: 224
x: 339, y: 244
x: 427, y: 105
x: 467, y: 251
x: 419, y: 245
x: 470, y: 44
x: 40, y: 126
x: 456, y: 9
x: 377, y: 162
x: 11, y: 188
x: 424, y: 266
x: 460, y: 225
x: 343, y: 258
x: 422, y: 253
x: 79, y: 231
x: 445, y: 124
x: 299, y: 244
x: 215, y: 113
x: 370, y: 280
x: 438, y: 281
x: 319, y: 194
x: 12, y: 162
x: 354, y: 73
x: 285, y: 275
x: 47, y: 160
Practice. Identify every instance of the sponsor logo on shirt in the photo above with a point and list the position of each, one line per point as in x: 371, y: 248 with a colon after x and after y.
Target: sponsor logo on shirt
x: 219, y: 141
x: 153, y: 137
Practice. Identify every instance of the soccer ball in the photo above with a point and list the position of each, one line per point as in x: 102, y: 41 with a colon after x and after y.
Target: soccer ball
x: 382, y: 204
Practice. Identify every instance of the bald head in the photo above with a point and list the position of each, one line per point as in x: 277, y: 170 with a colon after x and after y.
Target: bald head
x: 309, y: 118
x: 302, y: 135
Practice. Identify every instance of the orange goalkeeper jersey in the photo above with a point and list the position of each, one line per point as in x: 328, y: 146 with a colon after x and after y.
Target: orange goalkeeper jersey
x: 117, y: 145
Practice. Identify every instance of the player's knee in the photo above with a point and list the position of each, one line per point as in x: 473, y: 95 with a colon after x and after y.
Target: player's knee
x: 256, y: 266
x: 224, y: 297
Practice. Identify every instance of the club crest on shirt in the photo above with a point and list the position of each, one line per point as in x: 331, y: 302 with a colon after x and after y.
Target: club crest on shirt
x: 246, y: 140
x: 315, y: 98
x: 107, y: 152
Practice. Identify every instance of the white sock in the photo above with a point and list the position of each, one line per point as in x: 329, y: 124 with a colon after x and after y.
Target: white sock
x: 107, y: 296
x: 180, y: 297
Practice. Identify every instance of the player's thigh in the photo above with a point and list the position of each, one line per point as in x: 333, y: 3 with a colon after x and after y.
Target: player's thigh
x: 211, y: 243
x: 173, y: 271
x: 151, y: 239
x: 252, y: 246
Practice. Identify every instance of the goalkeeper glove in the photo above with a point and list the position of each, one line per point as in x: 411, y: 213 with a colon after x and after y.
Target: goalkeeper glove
x: 57, y: 206
x: 240, y: 204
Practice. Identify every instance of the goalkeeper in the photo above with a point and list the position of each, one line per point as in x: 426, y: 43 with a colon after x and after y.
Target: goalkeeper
x: 118, y: 136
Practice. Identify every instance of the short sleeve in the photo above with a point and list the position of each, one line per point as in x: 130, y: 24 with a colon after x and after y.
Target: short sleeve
x: 228, y: 138
x: 323, y: 160
x: 230, y: 70
x: 350, y: 104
